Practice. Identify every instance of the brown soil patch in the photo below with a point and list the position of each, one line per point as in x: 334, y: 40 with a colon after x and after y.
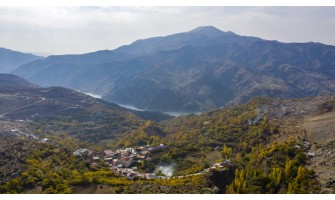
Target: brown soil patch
x: 320, y: 129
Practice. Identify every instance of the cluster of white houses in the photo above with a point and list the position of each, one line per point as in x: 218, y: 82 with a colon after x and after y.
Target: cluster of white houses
x: 120, y: 161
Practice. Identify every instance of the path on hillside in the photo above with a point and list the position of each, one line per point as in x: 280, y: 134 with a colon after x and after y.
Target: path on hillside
x: 3, y: 114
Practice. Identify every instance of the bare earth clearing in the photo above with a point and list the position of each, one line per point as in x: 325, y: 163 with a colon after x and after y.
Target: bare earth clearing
x: 320, y: 131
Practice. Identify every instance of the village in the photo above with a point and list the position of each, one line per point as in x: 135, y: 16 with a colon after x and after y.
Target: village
x: 122, y: 161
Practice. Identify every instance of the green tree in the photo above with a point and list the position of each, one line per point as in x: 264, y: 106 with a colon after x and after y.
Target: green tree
x: 227, y: 151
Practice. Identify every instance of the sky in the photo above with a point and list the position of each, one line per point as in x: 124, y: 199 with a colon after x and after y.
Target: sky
x: 75, y: 30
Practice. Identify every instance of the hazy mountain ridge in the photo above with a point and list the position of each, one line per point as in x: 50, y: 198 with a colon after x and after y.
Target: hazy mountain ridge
x: 202, y: 69
x: 10, y: 60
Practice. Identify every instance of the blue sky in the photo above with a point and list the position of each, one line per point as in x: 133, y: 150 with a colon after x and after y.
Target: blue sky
x: 66, y: 30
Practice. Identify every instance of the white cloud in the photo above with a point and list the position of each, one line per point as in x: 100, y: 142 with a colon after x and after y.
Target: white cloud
x: 63, y: 30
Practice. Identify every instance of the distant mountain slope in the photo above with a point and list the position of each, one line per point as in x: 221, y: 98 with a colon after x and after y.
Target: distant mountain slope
x: 10, y: 60
x: 193, y: 71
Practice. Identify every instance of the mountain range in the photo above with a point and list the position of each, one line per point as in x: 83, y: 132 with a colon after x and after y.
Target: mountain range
x: 199, y: 70
x: 10, y: 60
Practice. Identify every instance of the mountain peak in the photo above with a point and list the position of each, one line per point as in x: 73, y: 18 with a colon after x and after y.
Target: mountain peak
x: 210, y: 30
x: 201, y: 28
x: 206, y: 28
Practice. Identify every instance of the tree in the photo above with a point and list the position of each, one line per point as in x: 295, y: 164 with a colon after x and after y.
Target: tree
x: 239, y: 185
x: 276, y: 176
x: 227, y: 151
x: 288, y: 168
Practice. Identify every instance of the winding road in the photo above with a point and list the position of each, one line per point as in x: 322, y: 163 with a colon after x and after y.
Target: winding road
x: 3, y: 114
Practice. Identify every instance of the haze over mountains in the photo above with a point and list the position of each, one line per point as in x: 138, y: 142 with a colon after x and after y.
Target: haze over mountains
x: 10, y: 60
x: 198, y: 70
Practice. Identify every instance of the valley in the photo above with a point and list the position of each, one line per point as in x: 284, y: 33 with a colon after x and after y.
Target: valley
x: 266, y: 137
x: 198, y: 112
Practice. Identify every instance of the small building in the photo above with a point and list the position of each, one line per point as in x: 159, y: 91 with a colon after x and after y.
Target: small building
x: 117, y: 155
x: 150, y: 176
x: 129, y: 150
x: 130, y: 176
x: 108, y: 153
x: 141, y: 175
x: 144, y: 153
x: 218, y: 165
x: 140, y: 157
x: 114, y: 168
x: 96, y: 158
x: 80, y: 152
x: 226, y: 163
x: 138, y: 150
x: 44, y: 140
x: 125, y: 162
x: 114, y: 161
x: 109, y: 160
x: 311, y: 154
x: 89, y: 152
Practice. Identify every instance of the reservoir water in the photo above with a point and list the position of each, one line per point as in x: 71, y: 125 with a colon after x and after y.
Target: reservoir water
x: 173, y: 113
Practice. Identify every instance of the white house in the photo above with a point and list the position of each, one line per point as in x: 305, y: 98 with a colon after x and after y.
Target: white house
x: 130, y: 176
